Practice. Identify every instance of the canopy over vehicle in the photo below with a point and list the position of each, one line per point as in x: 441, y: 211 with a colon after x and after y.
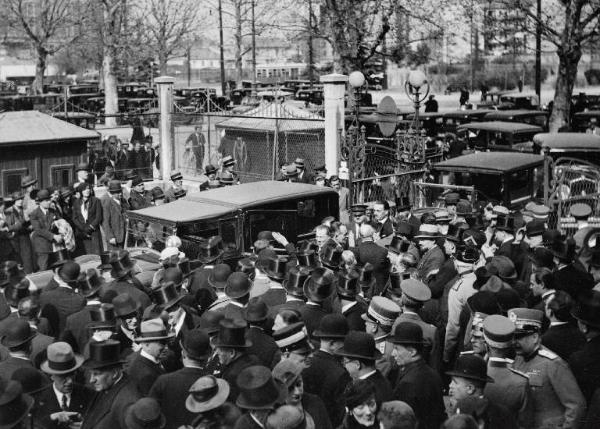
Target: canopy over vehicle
x: 585, y: 147
x: 533, y: 117
x: 500, y: 136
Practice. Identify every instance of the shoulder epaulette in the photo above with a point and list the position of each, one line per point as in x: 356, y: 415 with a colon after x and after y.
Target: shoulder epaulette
x: 548, y: 354
x: 468, y: 352
x: 519, y: 372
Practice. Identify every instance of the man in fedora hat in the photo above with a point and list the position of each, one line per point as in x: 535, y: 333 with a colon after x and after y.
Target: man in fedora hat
x: 146, y: 367
x: 557, y: 398
x: 417, y: 384
x: 138, y: 197
x: 325, y: 376
x: 231, y: 346
x: 369, y: 252
x: 259, y: 395
x: 14, y: 405
x: 510, y: 388
x: 43, y: 237
x: 17, y: 339
x: 113, y: 218
x: 67, y: 400
x: 469, y: 379
x: 290, y: 173
x: 123, y: 270
x: 19, y: 230
x: 114, y: 391
x: 64, y: 299
x: 358, y: 357
x: 177, y: 180
x: 318, y: 288
x: 433, y: 256
x: 584, y: 363
x: 303, y: 175
x: 263, y: 345
x: 171, y: 389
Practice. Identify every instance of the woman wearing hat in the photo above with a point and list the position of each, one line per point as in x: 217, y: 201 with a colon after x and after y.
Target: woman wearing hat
x: 87, y: 218
x: 361, y: 406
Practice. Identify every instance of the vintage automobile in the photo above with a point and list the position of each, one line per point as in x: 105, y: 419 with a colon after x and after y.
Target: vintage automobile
x: 519, y: 100
x: 584, y: 147
x: 512, y: 179
x: 499, y: 136
x: 582, y: 120
x: 238, y: 214
x: 532, y: 117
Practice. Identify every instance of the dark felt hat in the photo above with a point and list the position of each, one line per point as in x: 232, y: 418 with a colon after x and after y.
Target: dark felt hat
x: 347, y: 284
x: 456, y: 231
x: 32, y: 380
x: 69, y: 272
x: 12, y: 272
x: 18, y: 332
x: 407, y: 333
x: 167, y: 295
x: 295, y: 280
x: 218, y: 276
x: 504, y: 266
x: 66, y: 191
x: 209, y: 321
x: 124, y: 305
x: 121, y: 264
x: 359, y: 345
x: 232, y: 333
x: 104, y: 261
x: 319, y: 286
x: 258, y: 389
x: 114, y: 187
x: 332, y: 326
x: 28, y: 181
x: 228, y: 161
x: 176, y: 176
x: 474, y: 237
x: 157, y: 193
x: 467, y: 254
x: 16, y: 292
x: 565, y: 250
x: 404, y: 229
x: 185, y: 267
x: 145, y: 413
x: 58, y: 258
x: 246, y: 265
x: 535, y: 228
x: 137, y: 180
x: 238, y: 285
x: 210, y: 249
x: 179, y: 193
x: 471, y: 367
x: 210, y: 169
x: 398, y: 245
x: 276, y: 268
x: 196, y: 343
x: 331, y: 256
x: 14, y: 404
x: 89, y: 282
x: 256, y: 311
x: 506, y: 223
x: 587, y: 308
x: 104, y: 354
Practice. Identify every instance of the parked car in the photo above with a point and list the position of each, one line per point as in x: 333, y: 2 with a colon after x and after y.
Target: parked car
x: 499, y: 136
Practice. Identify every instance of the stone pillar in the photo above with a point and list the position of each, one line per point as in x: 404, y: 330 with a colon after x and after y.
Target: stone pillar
x: 334, y: 89
x: 165, y: 104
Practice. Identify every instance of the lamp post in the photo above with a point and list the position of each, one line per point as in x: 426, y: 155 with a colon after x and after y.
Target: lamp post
x: 417, y: 90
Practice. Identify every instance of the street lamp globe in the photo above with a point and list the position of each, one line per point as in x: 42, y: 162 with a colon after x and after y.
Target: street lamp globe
x: 356, y: 79
x: 416, y: 79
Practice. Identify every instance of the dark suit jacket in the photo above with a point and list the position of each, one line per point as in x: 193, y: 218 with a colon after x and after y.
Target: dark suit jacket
x: 516, y: 252
x: 368, y: 251
x: 230, y: 372
x: 76, y: 332
x: 263, y: 347
x: 564, y: 339
x: 383, y: 389
x: 573, y: 280
x: 66, y: 302
x: 171, y: 391
x: 113, y: 220
x: 48, y: 404
x: 385, y: 229
x: 107, y: 409
x: 274, y: 296
x: 421, y: 387
x: 433, y: 259
x: 585, y: 365
x: 138, y: 201
x: 353, y: 316
x: 314, y: 406
x: 124, y: 286
x: 327, y: 378
x: 10, y: 365
x: 311, y: 315
x: 143, y: 373
x: 42, y: 237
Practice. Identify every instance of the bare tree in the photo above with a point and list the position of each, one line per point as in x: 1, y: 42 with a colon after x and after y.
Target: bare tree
x: 568, y: 25
x: 168, y: 24
x: 49, y: 25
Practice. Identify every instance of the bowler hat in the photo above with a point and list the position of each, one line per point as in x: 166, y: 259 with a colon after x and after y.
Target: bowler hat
x: 471, y: 367
x: 210, y: 249
x: 157, y: 193
x: 407, y: 333
x: 124, y: 305
x: 382, y: 311
x: 293, y: 338
x: 550, y: 237
x: 238, y: 285
x: 121, y: 264
x: 16, y: 292
x: 331, y: 256
x: 89, y: 282
x: 61, y: 359
x: 218, y: 276
x: 153, y: 330
x: 256, y: 311
x: 467, y: 254
x: 210, y: 169
x: 31, y: 380
x: 209, y: 321
x: 319, y: 286
x: 464, y: 208
x: 185, y: 267
x: 587, y: 308
x: 308, y: 258
x: 28, y: 181
x: 196, y: 344
x: 42, y: 195
x: 564, y: 250
x: 102, y: 316
x: 18, y: 332
x: 347, y: 284
x: 167, y: 295
x: 176, y: 176
x: 398, y: 245
x: 104, y: 354
x: 114, y: 187
x: 137, y: 180
x: 58, y: 258
x: 276, y: 268
x: 104, y: 261
x: 232, y: 333
x: 258, y: 389
x: 295, y: 280
x: 359, y: 345
x: 14, y: 404
x: 145, y: 413
x: 332, y: 326
x: 535, y: 228
x: 207, y: 393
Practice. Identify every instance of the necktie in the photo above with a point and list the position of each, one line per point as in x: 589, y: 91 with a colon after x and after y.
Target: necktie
x: 64, y: 405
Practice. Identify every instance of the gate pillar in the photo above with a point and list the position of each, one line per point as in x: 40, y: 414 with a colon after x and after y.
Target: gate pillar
x: 334, y: 89
x: 165, y: 104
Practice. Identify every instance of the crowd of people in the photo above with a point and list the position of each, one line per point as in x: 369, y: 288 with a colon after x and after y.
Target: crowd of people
x: 463, y: 317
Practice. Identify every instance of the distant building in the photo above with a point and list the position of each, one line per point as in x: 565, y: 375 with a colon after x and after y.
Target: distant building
x: 503, y: 29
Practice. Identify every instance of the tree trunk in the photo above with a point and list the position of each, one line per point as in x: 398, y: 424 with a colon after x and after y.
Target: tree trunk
x: 111, y: 98
x: 162, y: 61
x: 37, y: 87
x: 238, y: 44
x: 565, y: 80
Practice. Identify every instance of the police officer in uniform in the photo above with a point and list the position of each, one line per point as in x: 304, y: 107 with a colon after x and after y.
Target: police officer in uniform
x: 557, y: 399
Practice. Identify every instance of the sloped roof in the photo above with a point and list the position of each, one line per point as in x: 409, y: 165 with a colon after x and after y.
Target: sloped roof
x: 28, y: 127
x: 272, y: 116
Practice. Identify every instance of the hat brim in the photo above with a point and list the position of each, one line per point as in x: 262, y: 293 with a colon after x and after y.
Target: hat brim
x: 576, y: 314
x: 239, y: 294
x: 207, y: 260
x: 274, y: 275
x: 150, y: 339
x: 29, y: 183
x: 19, y: 342
x: 216, y: 401
x: 282, y: 390
x: 320, y: 334
x: 218, y: 343
x: 173, y: 302
x: 132, y: 424
x: 215, y: 284
x: 342, y: 352
x: 427, y: 237
x: 92, y: 364
x: 485, y: 379
x: 46, y: 368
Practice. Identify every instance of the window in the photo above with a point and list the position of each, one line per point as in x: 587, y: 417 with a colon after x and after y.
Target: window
x: 62, y: 175
x: 11, y: 180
